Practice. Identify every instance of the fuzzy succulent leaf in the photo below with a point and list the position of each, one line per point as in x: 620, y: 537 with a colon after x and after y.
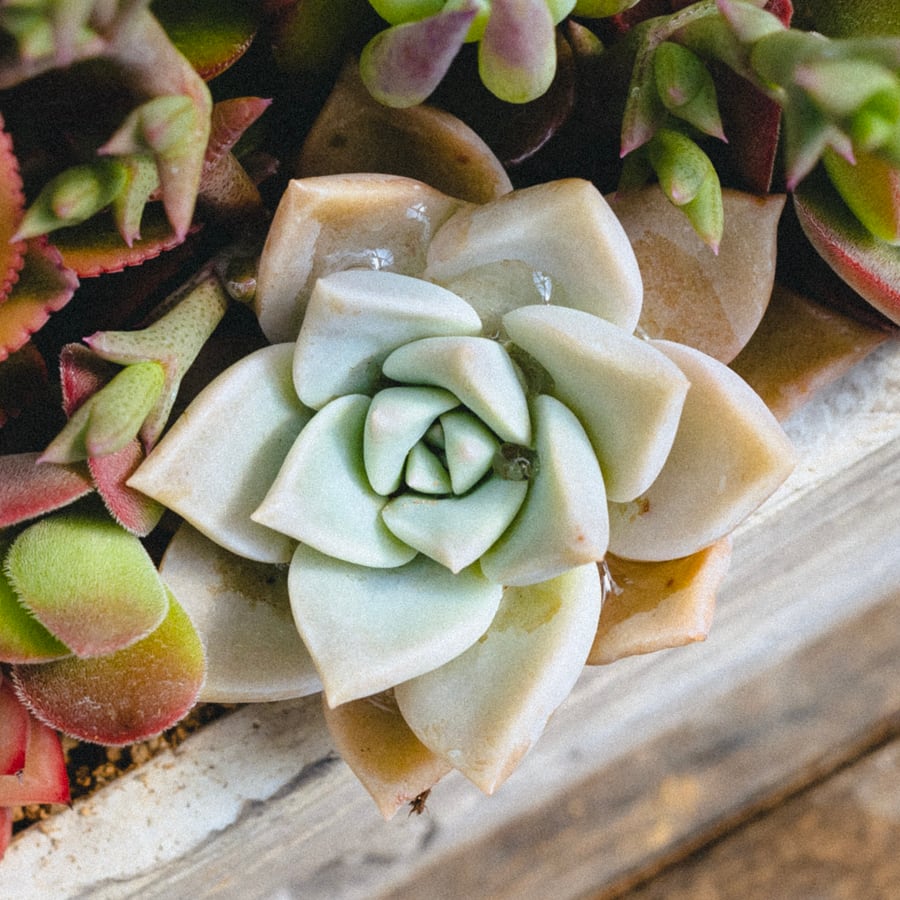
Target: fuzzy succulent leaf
x: 13, y: 730
x: 29, y: 489
x: 88, y: 581
x: 22, y: 638
x: 45, y: 286
x: 125, y: 696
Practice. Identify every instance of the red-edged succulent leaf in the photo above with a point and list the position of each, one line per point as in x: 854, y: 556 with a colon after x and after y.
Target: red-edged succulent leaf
x: 123, y: 697
x: 870, y: 266
x: 45, y: 286
x: 212, y: 34
x: 13, y: 730
x: 22, y: 638
x: 44, y: 778
x: 5, y: 829
x: 12, y: 203
x: 230, y: 119
x: 29, y: 489
x: 88, y: 581
x: 133, y: 510
x: 95, y: 247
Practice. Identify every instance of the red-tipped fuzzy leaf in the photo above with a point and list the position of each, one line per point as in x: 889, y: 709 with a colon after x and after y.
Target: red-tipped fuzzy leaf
x: 130, y: 508
x: 5, y: 829
x: 44, y: 778
x: 123, y: 697
x: 95, y: 247
x: 88, y: 581
x: 29, y: 489
x: 45, y: 285
x: 12, y: 203
x: 13, y: 731
x: 230, y: 119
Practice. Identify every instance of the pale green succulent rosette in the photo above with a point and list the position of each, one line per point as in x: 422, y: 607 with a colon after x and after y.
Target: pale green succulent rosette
x: 443, y: 452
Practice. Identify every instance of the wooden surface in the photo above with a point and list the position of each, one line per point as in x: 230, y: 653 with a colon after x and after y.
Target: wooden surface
x: 762, y: 763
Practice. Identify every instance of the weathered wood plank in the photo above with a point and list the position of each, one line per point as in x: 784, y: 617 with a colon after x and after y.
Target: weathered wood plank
x: 837, y: 841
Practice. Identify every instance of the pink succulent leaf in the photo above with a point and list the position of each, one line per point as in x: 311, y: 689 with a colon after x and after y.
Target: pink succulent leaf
x: 88, y: 581
x: 517, y: 55
x: 96, y: 247
x: 230, y: 119
x: 870, y: 266
x: 12, y: 203
x: 402, y: 65
x: 133, y: 510
x: 125, y: 696
x: 82, y: 374
x: 14, y: 730
x: 173, y: 341
x: 22, y: 638
x: 44, y: 778
x: 45, y: 286
x: 29, y: 489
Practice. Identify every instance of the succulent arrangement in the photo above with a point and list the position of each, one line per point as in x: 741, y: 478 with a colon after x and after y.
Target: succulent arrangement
x: 325, y: 364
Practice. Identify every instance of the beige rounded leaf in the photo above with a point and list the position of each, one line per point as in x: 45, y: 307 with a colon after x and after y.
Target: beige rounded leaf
x: 652, y: 606
x: 483, y: 710
x: 394, y: 766
x: 355, y: 133
x: 728, y: 456
x: 328, y: 224
x: 711, y: 302
x: 243, y: 615
x: 554, y: 243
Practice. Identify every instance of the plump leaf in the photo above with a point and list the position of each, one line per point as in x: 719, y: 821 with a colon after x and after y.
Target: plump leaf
x: 393, y: 765
x: 242, y: 613
x: 22, y: 637
x: 29, y: 489
x: 212, y: 34
x: 132, y: 509
x: 322, y: 497
x: 563, y: 522
x: 369, y: 629
x: 711, y: 302
x: 44, y: 778
x: 483, y: 710
x: 88, y: 581
x: 218, y: 486
x: 12, y: 203
x: 728, y: 456
x: 654, y: 606
x: 357, y: 317
x: 230, y: 119
x: 356, y: 133
x: 123, y: 697
x: 546, y: 228
x: 45, y: 286
x: 627, y: 396
x: 372, y: 221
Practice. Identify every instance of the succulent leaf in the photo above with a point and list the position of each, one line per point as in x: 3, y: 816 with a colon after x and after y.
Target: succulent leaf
x: 45, y: 286
x: 29, y: 489
x: 88, y: 581
x: 12, y: 203
x: 13, y: 730
x: 121, y: 697
x: 407, y: 619
x: 493, y: 700
x: 242, y: 613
